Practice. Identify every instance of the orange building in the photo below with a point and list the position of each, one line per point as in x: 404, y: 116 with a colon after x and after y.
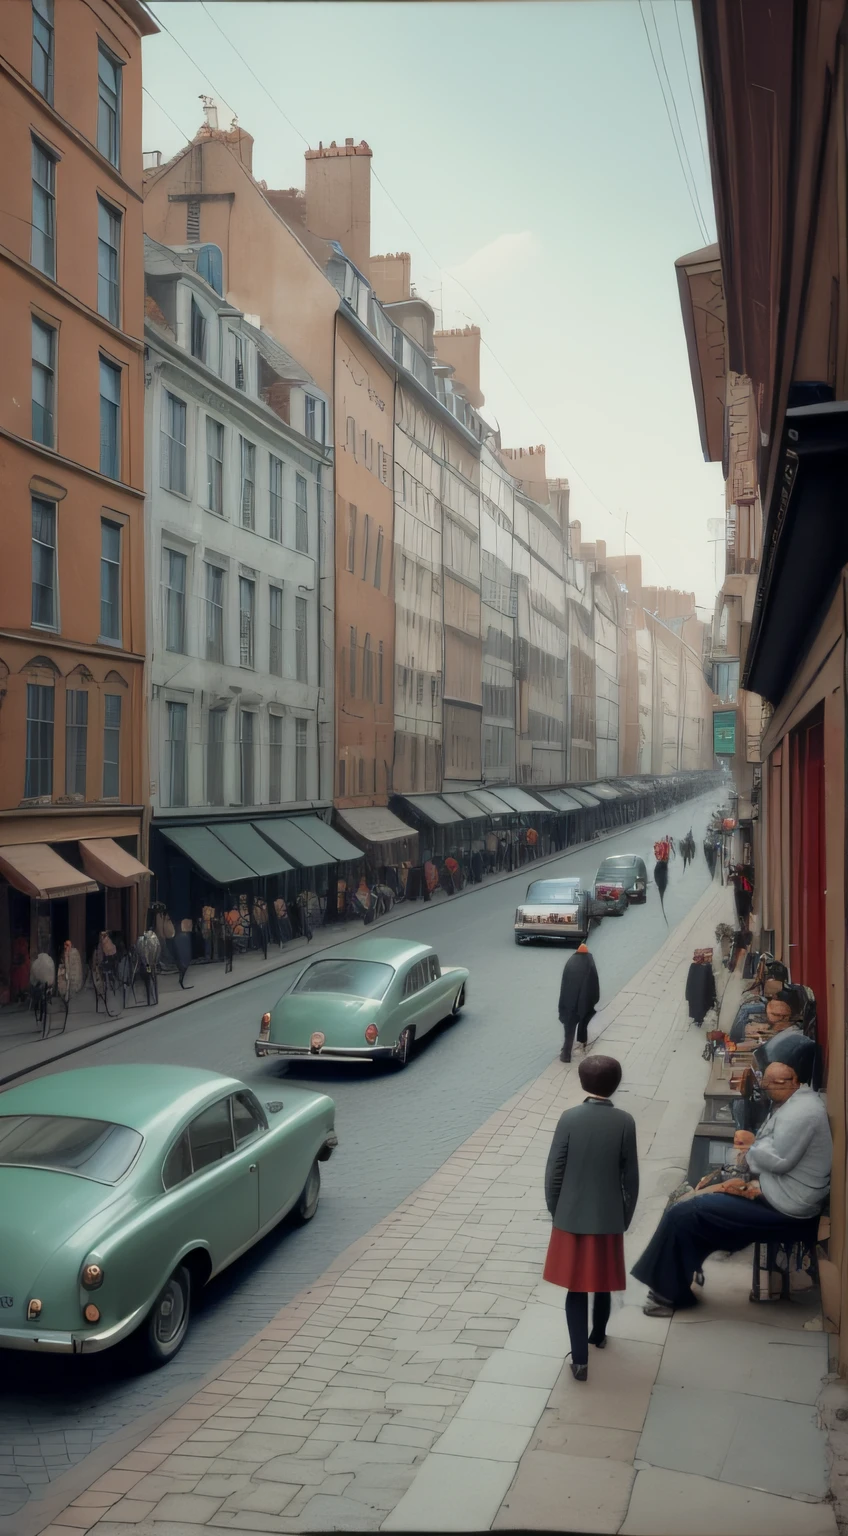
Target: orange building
x: 72, y: 771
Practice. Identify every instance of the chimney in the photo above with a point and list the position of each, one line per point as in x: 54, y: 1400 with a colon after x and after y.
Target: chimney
x: 338, y: 198
x: 391, y: 277
x: 210, y: 113
x: 460, y: 350
x: 528, y: 467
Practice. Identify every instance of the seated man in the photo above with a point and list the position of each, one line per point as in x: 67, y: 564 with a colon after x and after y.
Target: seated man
x: 785, y: 1184
x: 753, y: 1007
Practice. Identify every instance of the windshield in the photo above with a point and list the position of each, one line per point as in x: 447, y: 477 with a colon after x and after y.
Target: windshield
x: 565, y: 891
x: 356, y: 978
x: 92, y: 1149
x: 617, y: 866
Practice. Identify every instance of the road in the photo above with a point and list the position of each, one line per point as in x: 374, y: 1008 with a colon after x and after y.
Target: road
x: 395, y: 1130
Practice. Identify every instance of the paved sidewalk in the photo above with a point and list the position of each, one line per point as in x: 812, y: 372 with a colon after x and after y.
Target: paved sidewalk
x: 420, y: 1384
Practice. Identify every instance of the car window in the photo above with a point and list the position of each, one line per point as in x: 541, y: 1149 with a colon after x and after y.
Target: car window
x: 619, y: 861
x: 92, y: 1149
x: 413, y: 981
x: 211, y: 1135
x: 554, y: 890
x: 178, y: 1163
x: 247, y: 1118
x: 356, y: 978
x: 435, y: 968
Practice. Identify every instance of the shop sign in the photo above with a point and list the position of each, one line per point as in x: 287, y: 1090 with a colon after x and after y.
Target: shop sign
x: 724, y: 732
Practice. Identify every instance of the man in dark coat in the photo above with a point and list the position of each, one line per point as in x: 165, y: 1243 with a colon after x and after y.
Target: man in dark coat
x: 578, y: 999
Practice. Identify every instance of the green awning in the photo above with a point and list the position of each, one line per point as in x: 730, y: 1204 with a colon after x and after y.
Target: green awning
x: 212, y: 857
x: 434, y: 808
x: 519, y: 799
x: 338, y: 847
x: 296, y: 843
x: 243, y: 839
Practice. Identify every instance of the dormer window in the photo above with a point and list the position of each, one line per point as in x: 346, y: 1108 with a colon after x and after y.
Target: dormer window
x: 210, y: 265
x: 240, y: 365
x: 198, y: 332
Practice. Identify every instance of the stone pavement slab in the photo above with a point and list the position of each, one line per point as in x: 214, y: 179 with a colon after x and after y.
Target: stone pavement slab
x: 559, y: 1492
x: 682, y: 1504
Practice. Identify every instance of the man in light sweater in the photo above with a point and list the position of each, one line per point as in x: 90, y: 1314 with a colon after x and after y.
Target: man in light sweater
x: 782, y: 1187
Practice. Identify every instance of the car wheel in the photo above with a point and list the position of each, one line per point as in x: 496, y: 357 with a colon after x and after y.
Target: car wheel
x: 458, y: 1003
x: 307, y: 1205
x: 164, y: 1332
x: 403, y: 1049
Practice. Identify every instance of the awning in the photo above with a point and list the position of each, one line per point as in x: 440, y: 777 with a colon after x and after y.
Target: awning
x: 292, y: 837
x: 491, y: 803
x: 208, y: 854
x: 559, y: 800
x: 606, y: 792
x: 37, y: 871
x: 243, y: 839
x: 106, y: 861
x: 519, y: 800
x: 434, y: 809
x: 464, y: 806
x: 381, y: 833
x: 583, y: 797
x: 338, y: 847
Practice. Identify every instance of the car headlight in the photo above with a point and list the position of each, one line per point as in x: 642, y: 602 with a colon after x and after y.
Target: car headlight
x: 265, y: 1026
x: 91, y: 1277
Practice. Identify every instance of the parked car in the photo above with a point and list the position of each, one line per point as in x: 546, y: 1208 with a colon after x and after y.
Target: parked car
x: 622, y: 878
x: 123, y: 1190
x: 366, y: 1001
x: 554, y: 909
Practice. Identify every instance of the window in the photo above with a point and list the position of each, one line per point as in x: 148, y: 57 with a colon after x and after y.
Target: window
x: 275, y: 647
x: 726, y: 680
x: 44, y: 595
x: 110, y: 419
x: 177, y: 1164
x: 214, y: 613
x: 275, y: 502
x: 246, y: 761
x: 341, y: 776
x: 301, y: 531
x: 367, y: 669
x: 275, y: 759
x: 76, y: 740
x: 39, y: 741
x: 378, y: 561
x: 210, y: 265
x: 419, y: 688
x: 367, y: 532
x: 352, y: 662
x: 214, y: 465
x: 211, y: 1136
x: 110, y: 581
x: 198, y: 332
x: 248, y: 483
x: 239, y: 369
x: 42, y: 47
x: 112, y: 746
x: 368, y: 449
x: 108, y: 105
x: 215, y: 757
x: 313, y: 418
x: 176, y: 751
x: 300, y: 759
x: 366, y: 979
x: 415, y: 979
x: 351, y: 435
x: 351, y: 537
x: 247, y: 591
x: 380, y: 673
x: 361, y: 766
x: 174, y: 582
x: 43, y: 241
x: 108, y: 259
x: 173, y: 444
x: 43, y: 383
x: 247, y: 1117
x: 300, y: 640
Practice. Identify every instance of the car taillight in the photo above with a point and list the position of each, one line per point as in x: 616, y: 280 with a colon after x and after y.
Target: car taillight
x: 371, y: 1034
x: 265, y: 1026
x: 92, y: 1276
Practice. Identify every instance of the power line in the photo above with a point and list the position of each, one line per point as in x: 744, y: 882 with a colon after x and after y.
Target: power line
x: 695, y: 207
x: 252, y: 72
x: 191, y: 60
x: 676, y: 113
x: 691, y: 91
x: 166, y: 114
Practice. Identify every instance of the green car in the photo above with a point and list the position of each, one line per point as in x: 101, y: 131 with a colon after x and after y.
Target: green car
x: 124, y: 1189
x: 366, y: 1001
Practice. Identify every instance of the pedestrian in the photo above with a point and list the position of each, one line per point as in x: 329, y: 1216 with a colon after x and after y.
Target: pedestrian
x: 579, y: 992
x: 591, y: 1188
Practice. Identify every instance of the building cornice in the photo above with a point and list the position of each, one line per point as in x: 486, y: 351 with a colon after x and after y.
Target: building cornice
x: 64, y: 126
x: 51, y: 457
x: 134, y: 343
x: 402, y: 376
x: 46, y: 640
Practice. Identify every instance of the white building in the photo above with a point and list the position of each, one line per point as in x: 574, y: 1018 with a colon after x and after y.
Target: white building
x: 239, y: 486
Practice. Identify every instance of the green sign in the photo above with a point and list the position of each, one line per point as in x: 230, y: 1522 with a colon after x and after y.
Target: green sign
x: 724, y: 732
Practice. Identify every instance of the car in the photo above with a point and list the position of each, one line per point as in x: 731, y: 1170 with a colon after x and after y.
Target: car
x: 124, y: 1189
x: 554, y: 909
x: 366, y: 1001
x: 621, y: 879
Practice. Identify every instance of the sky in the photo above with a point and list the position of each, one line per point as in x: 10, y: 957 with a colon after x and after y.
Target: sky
x: 545, y: 164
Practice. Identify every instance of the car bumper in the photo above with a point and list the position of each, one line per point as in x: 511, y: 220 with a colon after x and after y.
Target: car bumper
x: 91, y: 1342
x: 326, y: 1053
x: 550, y: 931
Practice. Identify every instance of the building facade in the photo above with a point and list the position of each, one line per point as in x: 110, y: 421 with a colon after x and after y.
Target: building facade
x: 73, y: 782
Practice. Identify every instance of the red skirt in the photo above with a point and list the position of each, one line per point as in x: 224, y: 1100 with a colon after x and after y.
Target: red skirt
x: 586, y: 1262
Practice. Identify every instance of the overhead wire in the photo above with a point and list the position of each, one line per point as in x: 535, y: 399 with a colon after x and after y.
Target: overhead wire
x: 682, y: 155
x: 676, y: 113
x: 691, y: 91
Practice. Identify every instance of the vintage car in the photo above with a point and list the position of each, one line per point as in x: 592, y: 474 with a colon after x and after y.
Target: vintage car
x: 554, y: 909
x: 366, y: 1001
x: 622, y: 878
x: 124, y: 1189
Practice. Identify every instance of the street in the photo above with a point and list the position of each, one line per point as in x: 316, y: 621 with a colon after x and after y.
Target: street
x: 395, y: 1130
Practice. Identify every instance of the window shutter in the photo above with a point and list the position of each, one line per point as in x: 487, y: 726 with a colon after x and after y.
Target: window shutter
x: 193, y: 220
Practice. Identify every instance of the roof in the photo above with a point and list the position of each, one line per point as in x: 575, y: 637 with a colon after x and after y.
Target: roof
x: 128, y: 1095
x: 434, y: 808
x: 389, y: 951
x: 283, y: 364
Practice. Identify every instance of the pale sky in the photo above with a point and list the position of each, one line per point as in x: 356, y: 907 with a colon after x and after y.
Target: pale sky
x: 530, y: 149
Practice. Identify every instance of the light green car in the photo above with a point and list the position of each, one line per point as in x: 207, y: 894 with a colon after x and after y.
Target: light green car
x: 366, y: 1001
x: 124, y: 1189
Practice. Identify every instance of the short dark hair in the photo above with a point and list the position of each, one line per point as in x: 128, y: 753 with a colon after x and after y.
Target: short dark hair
x: 787, y: 996
x: 775, y: 971
x: 600, y: 1075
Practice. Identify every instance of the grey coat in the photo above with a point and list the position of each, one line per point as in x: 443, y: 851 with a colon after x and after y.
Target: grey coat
x: 592, y: 1177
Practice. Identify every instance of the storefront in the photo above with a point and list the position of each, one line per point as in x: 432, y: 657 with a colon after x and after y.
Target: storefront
x: 389, y: 846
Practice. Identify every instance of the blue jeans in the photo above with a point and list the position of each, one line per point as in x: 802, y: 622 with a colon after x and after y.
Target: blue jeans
x: 690, y: 1232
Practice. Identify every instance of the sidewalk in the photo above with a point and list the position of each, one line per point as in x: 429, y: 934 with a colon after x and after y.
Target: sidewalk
x: 421, y: 1384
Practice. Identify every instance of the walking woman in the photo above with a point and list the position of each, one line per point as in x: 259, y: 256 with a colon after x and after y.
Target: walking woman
x: 591, y: 1188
